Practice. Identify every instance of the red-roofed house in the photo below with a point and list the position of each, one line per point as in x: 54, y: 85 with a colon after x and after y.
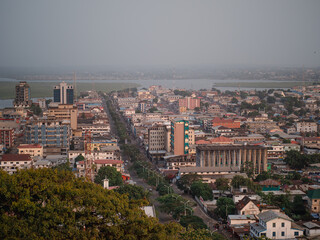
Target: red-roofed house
x: 221, y: 140
x: 12, y: 162
x: 32, y: 149
x: 229, y: 123
x: 101, y: 163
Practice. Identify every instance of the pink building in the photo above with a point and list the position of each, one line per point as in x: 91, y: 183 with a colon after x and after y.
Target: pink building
x: 189, y: 103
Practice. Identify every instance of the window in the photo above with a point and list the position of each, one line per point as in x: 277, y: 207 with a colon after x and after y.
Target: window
x: 273, y: 234
x: 282, y: 224
x: 274, y: 225
x: 263, y: 234
x: 282, y: 234
x: 296, y: 233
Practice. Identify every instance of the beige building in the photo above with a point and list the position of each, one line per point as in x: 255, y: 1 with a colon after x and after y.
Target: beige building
x: 11, y: 163
x: 233, y: 156
x: 31, y: 149
x: 307, y: 127
x: 65, y: 112
x: 98, y: 164
x: 275, y: 225
x: 247, y: 206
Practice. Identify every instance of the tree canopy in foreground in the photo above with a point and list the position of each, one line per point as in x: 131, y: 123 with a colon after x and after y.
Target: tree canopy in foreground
x: 52, y: 204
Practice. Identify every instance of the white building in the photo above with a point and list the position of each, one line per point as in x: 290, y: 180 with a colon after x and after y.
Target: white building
x: 307, y: 127
x: 13, y: 162
x: 275, y: 225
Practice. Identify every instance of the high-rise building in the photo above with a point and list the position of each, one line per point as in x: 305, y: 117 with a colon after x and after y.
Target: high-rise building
x: 22, y: 94
x: 189, y: 102
x: 180, y: 137
x: 63, y: 93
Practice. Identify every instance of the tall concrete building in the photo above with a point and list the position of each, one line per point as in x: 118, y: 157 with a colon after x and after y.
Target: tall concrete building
x: 65, y: 112
x: 180, y: 137
x: 189, y: 102
x: 63, y: 93
x: 233, y: 156
x: 22, y: 95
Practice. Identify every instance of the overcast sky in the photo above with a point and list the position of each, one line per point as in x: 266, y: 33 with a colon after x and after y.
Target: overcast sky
x: 39, y: 33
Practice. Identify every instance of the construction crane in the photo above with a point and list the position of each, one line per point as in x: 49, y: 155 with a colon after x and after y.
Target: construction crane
x: 89, y: 158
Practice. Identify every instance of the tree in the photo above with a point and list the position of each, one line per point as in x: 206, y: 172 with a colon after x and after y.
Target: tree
x: 78, y: 158
x: 296, y: 160
x: 36, y: 109
x: 197, y: 109
x: 184, y: 183
x: 222, y: 184
x: 234, y: 100
x: 133, y: 191
x: 271, y: 99
x: 225, y: 206
x: 51, y: 204
x: 200, y: 189
x: 238, y: 181
x: 298, y: 206
x: 155, y: 100
x: 164, y: 188
x: 193, y: 221
x: 153, y: 109
x: 63, y: 167
x: 111, y: 173
x: 174, y: 204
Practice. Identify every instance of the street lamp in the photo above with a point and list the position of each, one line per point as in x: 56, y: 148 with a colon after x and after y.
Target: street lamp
x: 168, y: 187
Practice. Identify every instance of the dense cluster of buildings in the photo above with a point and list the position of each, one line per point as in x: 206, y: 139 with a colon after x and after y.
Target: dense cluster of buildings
x: 207, y: 132
x: 58, y: 133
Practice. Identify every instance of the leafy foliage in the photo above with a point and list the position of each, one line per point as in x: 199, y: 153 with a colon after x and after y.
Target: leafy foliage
x: 192, y: 221
x: 111, y: 173
x: 225, y: 206
x: 51, y: 204
x: 134, y: 192
x: 222, y: 184
x: 298, y: 161
x: 184, y: 183
x: 198, y: 188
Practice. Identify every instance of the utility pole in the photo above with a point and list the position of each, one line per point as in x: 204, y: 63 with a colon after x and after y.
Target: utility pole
x: 185, y: 208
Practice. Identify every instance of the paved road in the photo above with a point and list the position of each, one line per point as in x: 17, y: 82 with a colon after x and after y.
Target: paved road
x: 163, y: 217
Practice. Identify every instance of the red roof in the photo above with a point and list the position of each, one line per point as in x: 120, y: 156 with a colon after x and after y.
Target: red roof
x: 221, y: 139
x: 199, y: 142
x: 30, y: 146
x: 16, y: 157
x: 219, y: 120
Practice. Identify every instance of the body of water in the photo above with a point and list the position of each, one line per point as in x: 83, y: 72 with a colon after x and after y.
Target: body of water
x: 195, y: 84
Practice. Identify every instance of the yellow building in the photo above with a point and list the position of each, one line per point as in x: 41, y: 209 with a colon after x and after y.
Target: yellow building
x: 65, y: 112
x: 31, y: 149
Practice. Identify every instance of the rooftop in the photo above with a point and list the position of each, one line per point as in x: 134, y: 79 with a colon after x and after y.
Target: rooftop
x: 16, y: 157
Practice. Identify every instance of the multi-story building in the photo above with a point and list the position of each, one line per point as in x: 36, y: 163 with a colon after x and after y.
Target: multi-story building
x: 275, y: 152
x: 63, y: 93
x: 48, y: 133
x: 13, y: 162
x: 176, y: 162
x: 307, y: 127
x: 95, y: 129
x: 100, y: 163
x: 180, y: 137
x: 156, y: 138
x: 241, y: 156
x: 65, y: 112
x: 314, y: 200
x: 22, y: 95
x: 189, y: 102
x: 31, y: 149
x: 7, y: 137
x: 275, y: 225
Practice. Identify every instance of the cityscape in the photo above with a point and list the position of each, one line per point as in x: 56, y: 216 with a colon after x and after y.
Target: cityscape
x: 152, y: 144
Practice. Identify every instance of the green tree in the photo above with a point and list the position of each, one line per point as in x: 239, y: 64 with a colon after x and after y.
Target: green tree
x: 222, y: 184
x: 193, y: 221
x: 174, y: 204
x: 234, y: 100
x: 133, y: 191
x: 36, y: 109
x: 296, y: 160
x: 225, y: 206
x: 78, y: 158
x: 198, y: 188
x: 111, y: 173
x: 184, y: 183
x: 51, y: 204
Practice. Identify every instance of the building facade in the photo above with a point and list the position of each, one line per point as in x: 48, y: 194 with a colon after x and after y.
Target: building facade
x: 31, y: 149
x: 7, y: 137
x: 241, y: 156
x: 180, y: 137
x: 65, y: 112
x: 189, y: 103
x: 63, y: 93
x: 48, y: 133
x: 22, y: 94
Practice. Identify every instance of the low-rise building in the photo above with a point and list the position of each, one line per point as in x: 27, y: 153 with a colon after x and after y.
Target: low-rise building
x: 247, y: 206
x: 13, y: 162
x: 275, y: 225
x: 314, y: 200
x: 31, y: 149
x: 100, y: 163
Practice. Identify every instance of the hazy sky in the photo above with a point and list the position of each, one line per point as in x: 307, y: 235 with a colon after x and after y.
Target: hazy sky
x: 163, y: 32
